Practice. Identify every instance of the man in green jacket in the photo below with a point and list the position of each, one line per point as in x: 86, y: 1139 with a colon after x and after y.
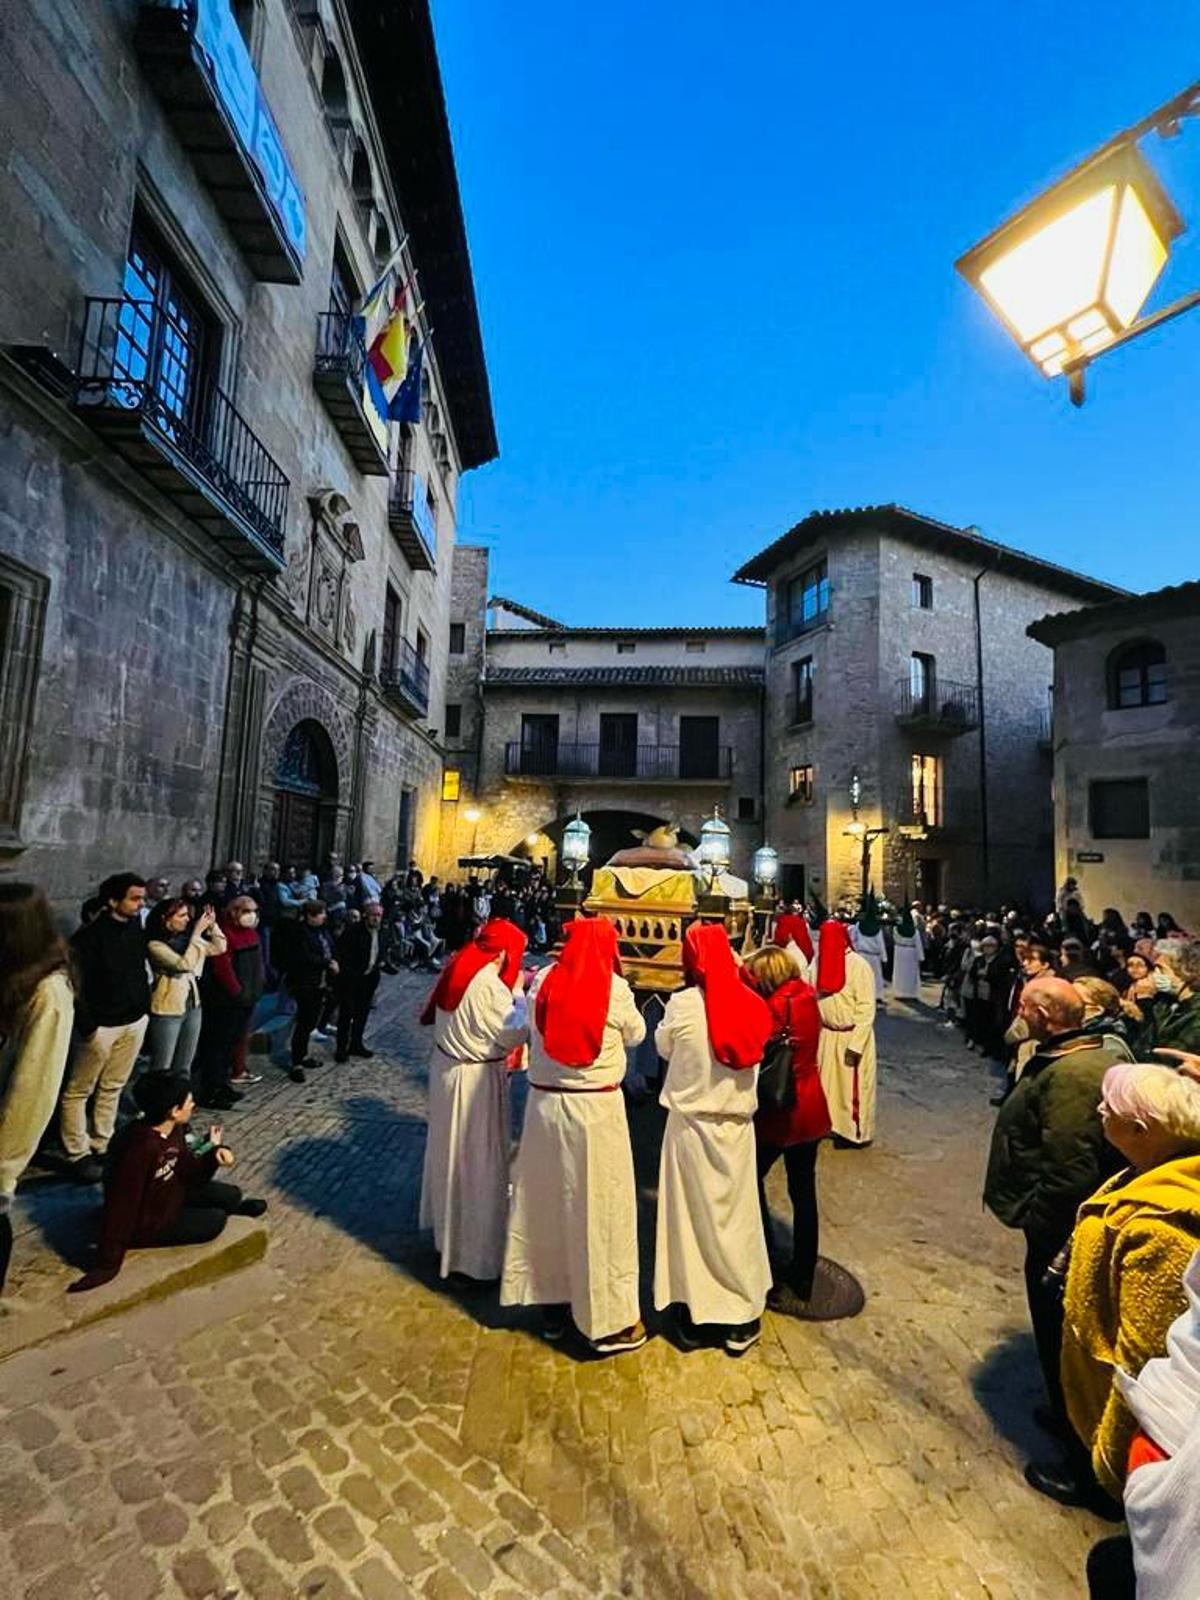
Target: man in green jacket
x: 1048, y: 1155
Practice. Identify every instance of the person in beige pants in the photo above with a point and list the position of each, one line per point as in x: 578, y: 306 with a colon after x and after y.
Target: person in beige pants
x: 111, y: 952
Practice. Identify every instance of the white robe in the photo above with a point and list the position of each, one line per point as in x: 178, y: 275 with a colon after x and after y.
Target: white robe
x: 907, y: 954
x: 873, y: 949
x: 572, y: 1225
x: 848, y: 1023
x: 464, y: 1183
x: 710, y: 1252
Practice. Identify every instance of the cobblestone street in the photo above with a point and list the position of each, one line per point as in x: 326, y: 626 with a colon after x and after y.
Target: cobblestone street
x: 333, y: 1422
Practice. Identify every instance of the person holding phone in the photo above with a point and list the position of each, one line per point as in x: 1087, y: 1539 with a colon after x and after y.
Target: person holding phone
x: 157, y: 1191
x: 177, y: 949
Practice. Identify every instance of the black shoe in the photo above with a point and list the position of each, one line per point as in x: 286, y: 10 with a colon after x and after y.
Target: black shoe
x: 86, y: 1169
x: 297, y: 1075
x: 362, y: 1052
x: 311, y: 1061
x: 739, y: 1340
x: 341, y: 1058
x: 251, y: 1208
x: 1059, y: 1482
x: 686, y: 1330
x: 235, y: 1094
x: 555, y: 1322
x: 1050, y: 1421
x: 222, y: 1101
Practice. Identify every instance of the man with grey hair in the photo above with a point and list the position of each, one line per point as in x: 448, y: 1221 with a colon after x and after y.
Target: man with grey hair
x: 359, y: 950
x: 1173, y: 1014
x: 1048, y: 1155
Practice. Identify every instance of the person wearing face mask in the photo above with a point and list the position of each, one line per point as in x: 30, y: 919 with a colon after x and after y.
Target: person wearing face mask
x: 177, y: 949
x: 233, y: 983
x: 1173, y: 1013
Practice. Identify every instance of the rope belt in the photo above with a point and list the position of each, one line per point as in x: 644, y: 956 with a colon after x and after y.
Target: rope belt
x: 561, y: 1088
x: 832, y: 1027
x: 470, y: 1061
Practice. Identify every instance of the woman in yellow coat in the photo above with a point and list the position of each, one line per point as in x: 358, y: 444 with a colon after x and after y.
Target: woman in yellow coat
x: 1131, y: 1246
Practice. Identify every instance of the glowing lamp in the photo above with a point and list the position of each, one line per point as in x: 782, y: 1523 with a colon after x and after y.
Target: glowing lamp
x: 715, y: 843
x: 766, y: 866
x: 576, y: 843
x: 1070, y: 272
x: 472, y: 813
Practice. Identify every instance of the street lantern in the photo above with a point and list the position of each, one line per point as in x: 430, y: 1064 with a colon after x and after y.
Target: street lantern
x: 715, y: 844
x: 766, y: 867
x: 576, y: 845
x: 1068, y: 275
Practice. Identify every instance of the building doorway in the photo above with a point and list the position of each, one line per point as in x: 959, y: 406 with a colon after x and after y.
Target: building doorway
x: 699, y: 747
x: 929, y: 881
x: 305, y: 798
x: 618, y: 744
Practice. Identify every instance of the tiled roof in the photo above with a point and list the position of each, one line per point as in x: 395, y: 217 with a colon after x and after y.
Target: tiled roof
x: 927, y: 530
x: 706, y: 630
x: 688, y: 677
x: 538, y: 618
x: 1178, y: 600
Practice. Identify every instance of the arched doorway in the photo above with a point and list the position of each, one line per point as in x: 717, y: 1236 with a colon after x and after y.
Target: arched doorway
x: 305, y: 788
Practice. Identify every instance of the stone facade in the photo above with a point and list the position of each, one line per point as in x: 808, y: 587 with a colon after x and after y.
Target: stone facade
x: 1151, y: 862
x: 171, y: 669
x: 984, y: 832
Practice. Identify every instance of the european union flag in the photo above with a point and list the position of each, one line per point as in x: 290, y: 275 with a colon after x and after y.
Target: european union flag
x: 406, y: 402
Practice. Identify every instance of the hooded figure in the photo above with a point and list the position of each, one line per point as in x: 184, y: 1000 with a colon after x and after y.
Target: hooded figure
x: 869, y: 941
x: 846, y: 1049
x: 908, y: 952
x: 793, y: 934
x: 478, y: 1017
x: 711, y: 1255
x: 572, y: 1229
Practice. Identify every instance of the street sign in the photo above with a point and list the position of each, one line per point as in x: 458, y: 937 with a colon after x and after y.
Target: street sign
x: 1089, y: 855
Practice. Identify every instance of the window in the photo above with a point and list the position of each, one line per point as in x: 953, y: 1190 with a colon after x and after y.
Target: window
x: 808, y: 598
x: 539, y: 743
x: 625, y: 647
x: 458, y: 638
x: 927, y: 790
x: 392, y: 628
x: 422, y: 645
x: 802, y: 689
x: 557, y: 649
x: 922, y: 592
x: 801, y: 786
x: 343, y: 286
x: 1119, y: 808
x: 453, y: 722
x: 747, y: 810
x: 1137, y: 675
x: 23, y: 595
x: 451, y: 783
x: 921, y: 683
x: 695, y: 647
x: 700, y: 747
x: 164, y: 337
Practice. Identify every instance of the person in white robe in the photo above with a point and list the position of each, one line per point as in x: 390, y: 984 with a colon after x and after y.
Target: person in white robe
x: 478, y: 1017
x: 711, y: 1253
x: 572, y: 1229
x: 846, y: 1049
x: 908, y: 952
x: 868, y: 942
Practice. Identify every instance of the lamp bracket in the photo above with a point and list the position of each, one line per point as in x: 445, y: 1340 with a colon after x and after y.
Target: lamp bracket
x: 1075, y: 370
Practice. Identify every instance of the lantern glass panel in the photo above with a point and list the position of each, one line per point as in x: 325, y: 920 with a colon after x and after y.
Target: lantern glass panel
x: 766, y: 865
x: 576, y: 842
x: 1138, y: 256
x: 1056, y: 272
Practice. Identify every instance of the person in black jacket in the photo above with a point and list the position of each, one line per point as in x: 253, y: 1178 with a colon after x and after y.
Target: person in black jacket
x: 230, y: 988
x: 112, y: 1012
x: 359, y: 953
x: 310, y: 971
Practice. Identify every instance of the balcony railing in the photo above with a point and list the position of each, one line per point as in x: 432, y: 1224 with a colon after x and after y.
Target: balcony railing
x: 194, y: 56
x: 411, y: 521
x: 406, y: 679
x: 140, y: 381
x: 340, y: 378
x: 643, y: 763
x: 791, y: 626
x: 940, y: 707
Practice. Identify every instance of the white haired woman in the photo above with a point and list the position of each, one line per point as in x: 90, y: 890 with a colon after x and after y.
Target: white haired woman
x: 1132, y: 1244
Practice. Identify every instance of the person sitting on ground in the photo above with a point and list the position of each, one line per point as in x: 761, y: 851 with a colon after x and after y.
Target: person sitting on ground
x: 1132, y: 1243
x: 795, y: 1133
x: 156, y: 1190
x: 37, y: 1009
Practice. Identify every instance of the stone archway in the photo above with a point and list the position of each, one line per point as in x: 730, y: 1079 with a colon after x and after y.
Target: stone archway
x: 306, y: 772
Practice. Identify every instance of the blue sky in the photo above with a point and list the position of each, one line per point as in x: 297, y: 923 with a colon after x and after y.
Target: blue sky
x: 714, y: 253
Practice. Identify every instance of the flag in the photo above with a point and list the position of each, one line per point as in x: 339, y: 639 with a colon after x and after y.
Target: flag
x: 406, y: 402
x: 381, y: 325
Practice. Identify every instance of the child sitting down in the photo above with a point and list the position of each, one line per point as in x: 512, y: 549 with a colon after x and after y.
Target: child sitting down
x: 156, y: 1190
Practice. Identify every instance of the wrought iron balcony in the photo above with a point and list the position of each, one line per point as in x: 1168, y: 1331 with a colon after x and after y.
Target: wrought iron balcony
x: 643, y: 763
x: 196, y: 60
x: 340, y: 378
x: 405, y: 679
x: 937, y: 810
x: 941, y: 707
x: 140, y: 381
x: 411, y: 521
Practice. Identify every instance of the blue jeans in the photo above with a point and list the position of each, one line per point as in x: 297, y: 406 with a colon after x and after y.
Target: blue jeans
x: 172, y: 1041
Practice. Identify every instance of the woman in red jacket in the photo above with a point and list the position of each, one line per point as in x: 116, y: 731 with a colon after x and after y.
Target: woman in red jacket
x: 794, y: 1134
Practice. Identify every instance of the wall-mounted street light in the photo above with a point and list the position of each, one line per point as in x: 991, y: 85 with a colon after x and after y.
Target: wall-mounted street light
x: 1069, y: 274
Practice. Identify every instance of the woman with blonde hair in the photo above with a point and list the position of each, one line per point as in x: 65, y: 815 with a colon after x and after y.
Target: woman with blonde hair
x: 1132, y: 1243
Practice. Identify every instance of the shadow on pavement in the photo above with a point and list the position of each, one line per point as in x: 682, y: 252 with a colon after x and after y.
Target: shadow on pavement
x: 1007, y: 1384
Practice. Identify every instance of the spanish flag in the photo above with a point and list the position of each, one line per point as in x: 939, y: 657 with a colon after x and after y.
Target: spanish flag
x: 385, y: 334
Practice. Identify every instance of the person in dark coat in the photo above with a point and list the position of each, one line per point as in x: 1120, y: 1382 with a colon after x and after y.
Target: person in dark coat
x: 359, y: 957
x: 231, y: 987
x: 311, y: 970
x: 796, y: 1133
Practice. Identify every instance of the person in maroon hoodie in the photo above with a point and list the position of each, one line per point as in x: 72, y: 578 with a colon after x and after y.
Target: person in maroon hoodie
x: 794, y: 1134
x: 156, y: 1190
x: 230, y: 987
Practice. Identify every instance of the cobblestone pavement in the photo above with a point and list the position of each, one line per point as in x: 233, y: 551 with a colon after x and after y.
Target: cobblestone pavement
x: 336, y: 1423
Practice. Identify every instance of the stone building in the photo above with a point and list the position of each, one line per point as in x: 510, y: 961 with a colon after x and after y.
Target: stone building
x: 1127, y: 751
x: 631, y: 727
x: 903, y: 694
x: 225, y: 582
